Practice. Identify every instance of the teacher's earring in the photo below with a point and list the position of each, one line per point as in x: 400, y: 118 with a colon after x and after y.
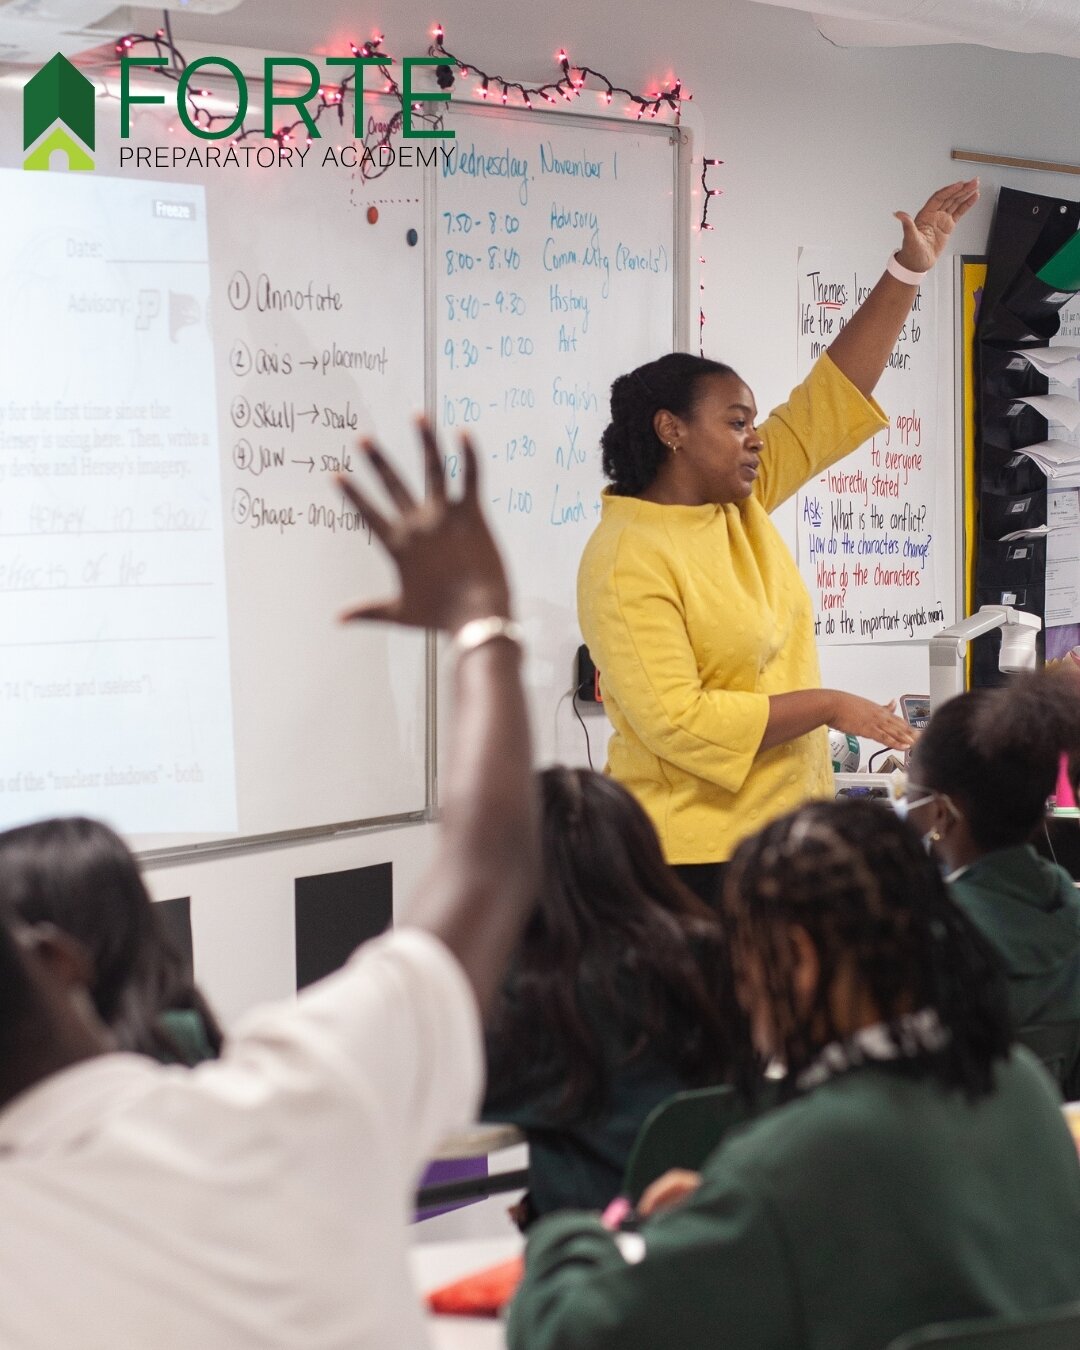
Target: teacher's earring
x: 674, y: 447
x: 935, y: 836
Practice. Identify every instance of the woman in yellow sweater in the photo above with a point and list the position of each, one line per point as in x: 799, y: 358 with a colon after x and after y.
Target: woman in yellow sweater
x: 690, y: 603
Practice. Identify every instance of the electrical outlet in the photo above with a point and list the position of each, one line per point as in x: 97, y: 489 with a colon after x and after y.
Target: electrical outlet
x: 587, y: 678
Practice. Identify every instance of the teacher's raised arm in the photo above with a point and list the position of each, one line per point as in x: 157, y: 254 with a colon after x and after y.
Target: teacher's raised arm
x: 862, y: 347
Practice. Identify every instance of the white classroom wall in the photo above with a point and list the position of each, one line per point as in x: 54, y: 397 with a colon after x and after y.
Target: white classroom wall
x: 819, y: 144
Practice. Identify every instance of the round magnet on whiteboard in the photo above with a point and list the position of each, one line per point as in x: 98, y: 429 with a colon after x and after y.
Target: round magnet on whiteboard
x: 411, y: 238
x: 372, y: 214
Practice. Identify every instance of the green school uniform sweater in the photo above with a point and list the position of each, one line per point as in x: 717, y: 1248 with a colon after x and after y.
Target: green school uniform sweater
x: 578, y: 1162
x: 1029, y: 911
x: 874, y: 1204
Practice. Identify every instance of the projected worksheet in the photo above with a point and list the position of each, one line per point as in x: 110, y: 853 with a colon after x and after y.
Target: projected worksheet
x: 114, y: 658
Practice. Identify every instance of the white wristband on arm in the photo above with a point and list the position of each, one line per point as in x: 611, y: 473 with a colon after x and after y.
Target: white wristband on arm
x: 479, y: 632
x: 901, y: 273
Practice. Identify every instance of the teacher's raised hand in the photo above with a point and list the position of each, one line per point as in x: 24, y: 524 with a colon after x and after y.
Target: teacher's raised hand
x: 862, y: 347
x: 927, y: 233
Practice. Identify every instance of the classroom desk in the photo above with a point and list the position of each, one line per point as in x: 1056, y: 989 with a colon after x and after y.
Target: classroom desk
x: 476, y: 1140
x: 434, y: 1264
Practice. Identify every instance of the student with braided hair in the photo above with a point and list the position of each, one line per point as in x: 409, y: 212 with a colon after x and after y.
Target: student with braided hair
x: 980, y: 775
x: 691, y: 605
x: 919, y: 1170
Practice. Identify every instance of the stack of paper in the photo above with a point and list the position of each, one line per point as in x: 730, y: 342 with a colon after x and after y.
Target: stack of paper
x: 1035, y: 532
x: 1056, y: 459
x: 1057, y: 408
x: 1057, y: 363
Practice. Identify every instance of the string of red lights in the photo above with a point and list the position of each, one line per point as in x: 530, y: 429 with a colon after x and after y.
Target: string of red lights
x: 570, y: 85
x: 707, y: 194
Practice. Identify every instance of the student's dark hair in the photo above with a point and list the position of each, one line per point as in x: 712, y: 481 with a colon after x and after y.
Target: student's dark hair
x: 632, y: 450
x: 615, y: 939
x: 995, y: 753
x: 19, y: 1003
x: 80, y: 876
x: 856, y: 878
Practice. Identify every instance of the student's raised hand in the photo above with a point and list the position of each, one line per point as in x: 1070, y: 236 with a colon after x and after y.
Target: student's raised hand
x: 447, y: 560
x: 876, y: 721
x: 668, y: 1191
x: 926, y: 235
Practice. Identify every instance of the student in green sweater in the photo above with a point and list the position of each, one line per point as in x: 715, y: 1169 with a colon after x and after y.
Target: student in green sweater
x: 78, y: 875
x: 979, y: 778
x: 613, y: 1001
x: 920, y: 1172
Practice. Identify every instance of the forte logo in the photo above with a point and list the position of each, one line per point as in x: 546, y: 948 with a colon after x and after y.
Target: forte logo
x: 59, y: 102
x: 297, y: 98
x: 58, y: 115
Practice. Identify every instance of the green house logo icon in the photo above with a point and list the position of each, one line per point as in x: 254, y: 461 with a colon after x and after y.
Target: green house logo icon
x: 58, y: 114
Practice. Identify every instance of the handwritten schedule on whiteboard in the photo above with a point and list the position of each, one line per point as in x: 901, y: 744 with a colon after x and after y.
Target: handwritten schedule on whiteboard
x: 555, y: 273
x: 866, y: 525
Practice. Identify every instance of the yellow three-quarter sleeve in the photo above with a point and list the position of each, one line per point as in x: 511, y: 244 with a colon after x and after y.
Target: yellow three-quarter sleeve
x: 824, y: 419
x: 649, y: 670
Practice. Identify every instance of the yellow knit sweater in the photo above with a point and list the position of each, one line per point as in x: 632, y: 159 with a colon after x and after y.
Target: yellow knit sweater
x: 695, y: 615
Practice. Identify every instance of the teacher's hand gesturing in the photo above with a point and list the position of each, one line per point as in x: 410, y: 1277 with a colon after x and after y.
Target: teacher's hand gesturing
x: 926, y: 236
x: 876, y: 721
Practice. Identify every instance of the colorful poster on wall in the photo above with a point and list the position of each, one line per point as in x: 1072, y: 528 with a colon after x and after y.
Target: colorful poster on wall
x: 866, y: 526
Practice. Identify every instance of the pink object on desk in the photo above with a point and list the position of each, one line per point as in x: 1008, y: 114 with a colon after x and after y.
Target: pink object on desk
x: 616, y: 1211
x: 1063, y: 793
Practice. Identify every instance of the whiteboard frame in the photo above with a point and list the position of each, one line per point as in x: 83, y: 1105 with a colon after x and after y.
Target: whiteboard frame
x: 683, y: 136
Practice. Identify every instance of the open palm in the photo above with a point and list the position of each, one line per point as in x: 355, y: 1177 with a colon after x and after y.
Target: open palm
x: 926, y: 235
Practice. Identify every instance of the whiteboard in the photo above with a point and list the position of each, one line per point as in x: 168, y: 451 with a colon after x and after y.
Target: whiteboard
x: 259, y: 325
x: 198, y: 349
x: 559, y: 265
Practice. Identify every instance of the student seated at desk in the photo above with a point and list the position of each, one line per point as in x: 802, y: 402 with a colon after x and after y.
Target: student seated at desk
x: 78, y: 875
x: 259, y: 1201
x: 979, y: 777
x: 613, y: 999
x: 920, y: 1171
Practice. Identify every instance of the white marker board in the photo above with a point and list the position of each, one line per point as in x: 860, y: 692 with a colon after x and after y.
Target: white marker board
x: 198, y: 350
x: 242, y: 328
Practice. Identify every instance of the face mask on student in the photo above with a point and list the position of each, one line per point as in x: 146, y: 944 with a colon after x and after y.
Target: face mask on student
x: 903, y: 805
